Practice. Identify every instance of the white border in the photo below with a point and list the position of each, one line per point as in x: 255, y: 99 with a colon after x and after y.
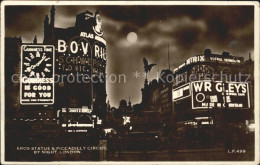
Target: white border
x: 53, y: 74
x: 201, y: 3
x: 257, y: 79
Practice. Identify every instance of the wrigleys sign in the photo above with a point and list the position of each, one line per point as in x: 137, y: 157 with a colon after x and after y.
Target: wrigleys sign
x: 207, y: 94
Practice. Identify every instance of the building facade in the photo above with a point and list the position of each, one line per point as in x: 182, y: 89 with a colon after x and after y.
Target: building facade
x: 80, y: 52
x: 80, y: 85
x: 212, y: 95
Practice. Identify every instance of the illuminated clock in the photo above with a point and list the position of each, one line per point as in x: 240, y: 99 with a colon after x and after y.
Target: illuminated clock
x: 98, y: 28
x: 37, y: 65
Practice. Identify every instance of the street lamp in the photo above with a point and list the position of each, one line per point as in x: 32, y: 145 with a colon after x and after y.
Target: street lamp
x: 209, y: 119
x: 208, y: 100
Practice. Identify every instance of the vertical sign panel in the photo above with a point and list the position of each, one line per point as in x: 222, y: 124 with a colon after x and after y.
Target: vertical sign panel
x: 37, y: 74
x: 181, y: 92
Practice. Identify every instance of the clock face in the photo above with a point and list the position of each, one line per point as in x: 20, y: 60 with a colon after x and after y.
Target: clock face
x: 98, y: 27
x: 37, y: 65
x: 99, y: 20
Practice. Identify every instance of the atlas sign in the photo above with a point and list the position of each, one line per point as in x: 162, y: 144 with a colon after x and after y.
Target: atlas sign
x: 207, y: 94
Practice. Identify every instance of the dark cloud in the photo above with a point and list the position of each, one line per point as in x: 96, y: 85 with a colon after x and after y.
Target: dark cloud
x: 188, y: 29
x: 142, y: 15
x: 218, y: 29
x: 188, y: 36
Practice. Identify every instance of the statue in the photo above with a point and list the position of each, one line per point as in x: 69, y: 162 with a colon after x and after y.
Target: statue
x: 147, y: 67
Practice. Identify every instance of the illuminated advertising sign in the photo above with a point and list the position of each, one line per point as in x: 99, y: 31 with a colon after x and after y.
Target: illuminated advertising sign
x: 75, y: 57
x: 81, y: 60
x: 37, y: 74
x: 195, y: 59
x: 212, y: 58
x: 226, y: 60
x: 85, y: 51
x: 81, y: 53
x: 126, y: 120
x: 180, y: 78
x: 76, y: 110
x: 76, y: 119
x: 202, y: 70
x: 191, y: 60
x: 206, y: 94
x: 181, y: 92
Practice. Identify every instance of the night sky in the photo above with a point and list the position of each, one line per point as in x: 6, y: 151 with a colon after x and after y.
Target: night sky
x: 188, y: 30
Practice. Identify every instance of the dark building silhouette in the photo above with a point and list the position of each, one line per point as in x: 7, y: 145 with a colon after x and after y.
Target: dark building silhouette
x: 36, y: 122
x: 209, y: 114
x: 165, y: 104
x: 12, y: 84
x: 172, y: 107
x: 79, y: 94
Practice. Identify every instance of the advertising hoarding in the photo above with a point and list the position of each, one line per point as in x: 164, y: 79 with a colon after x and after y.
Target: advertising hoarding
x: 181, y: 92
x: 37, y: 74
x: 212, y: 58
x: 77, y: 119
x: 231, y: 95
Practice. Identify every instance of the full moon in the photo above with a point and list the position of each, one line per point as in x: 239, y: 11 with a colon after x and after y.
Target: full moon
x: 131, y: 37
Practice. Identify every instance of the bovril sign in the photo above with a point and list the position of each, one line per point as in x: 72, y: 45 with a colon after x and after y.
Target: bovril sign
x: 81, y: 53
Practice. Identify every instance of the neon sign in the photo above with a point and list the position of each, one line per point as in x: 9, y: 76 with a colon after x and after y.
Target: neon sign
x: 206, y: 94
x: 181, y: 92
x: 37, y: 74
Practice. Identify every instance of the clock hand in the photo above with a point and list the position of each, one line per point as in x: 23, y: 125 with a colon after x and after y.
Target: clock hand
x: 38, y: 63
x: 43, y: 57
x: 32, y: 67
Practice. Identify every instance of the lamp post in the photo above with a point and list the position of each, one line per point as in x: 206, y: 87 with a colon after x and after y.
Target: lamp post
x: 209, y: 119
x: 91, y: 79
x: 228, y: 136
